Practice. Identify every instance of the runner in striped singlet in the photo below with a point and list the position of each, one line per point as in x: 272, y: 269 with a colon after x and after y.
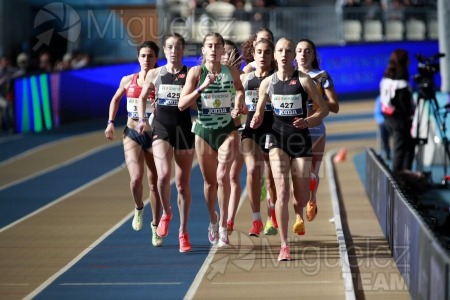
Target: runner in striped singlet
x: 217, y: 93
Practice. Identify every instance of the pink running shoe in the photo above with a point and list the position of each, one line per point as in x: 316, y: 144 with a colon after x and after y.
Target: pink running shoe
x: 163, y: 226
x: 285, y: 254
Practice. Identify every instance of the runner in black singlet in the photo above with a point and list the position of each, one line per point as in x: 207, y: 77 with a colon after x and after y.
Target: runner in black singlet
x: 253, y: 141
x: 172, y: 136
x: 290, y: 142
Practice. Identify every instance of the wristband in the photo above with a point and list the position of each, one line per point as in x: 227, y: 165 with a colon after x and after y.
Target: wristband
x: 110, y: 122
x: 199, y: 90
x: 142, y: 120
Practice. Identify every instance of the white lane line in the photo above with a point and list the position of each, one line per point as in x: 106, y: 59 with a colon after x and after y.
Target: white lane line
x: 349, y: 289
x: 51, y: 279
x: 60, y: 165
x: 252, y: 283
x: 201, y: 273
x: 118, y: 283
x: 79, y: 257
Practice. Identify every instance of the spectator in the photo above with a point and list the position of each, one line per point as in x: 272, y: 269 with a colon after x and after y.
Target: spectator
x: 65, y: 63
x: 397, y: 107
x: 23, y: 65
x: 80, y: 60
x: 45, y: 62
x: 6, y: 94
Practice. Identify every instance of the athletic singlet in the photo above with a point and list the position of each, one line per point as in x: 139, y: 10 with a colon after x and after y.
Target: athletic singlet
x: 167, y: 91
x: 133, y: 93
x: 217, y: 100
x: 170, y: 124
x: 251, y: 87
x: 289, y: 101
x: 214, y: 106
x: 323, y: 81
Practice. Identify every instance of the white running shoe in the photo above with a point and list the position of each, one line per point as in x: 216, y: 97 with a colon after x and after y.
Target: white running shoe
x: 223, y: 238
x: 138, y: 221
x: 156, y: 239
x: 213, y: 232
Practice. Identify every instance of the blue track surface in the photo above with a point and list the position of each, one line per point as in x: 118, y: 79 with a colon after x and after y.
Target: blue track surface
x: 126, y: 266
x: 40, y: 191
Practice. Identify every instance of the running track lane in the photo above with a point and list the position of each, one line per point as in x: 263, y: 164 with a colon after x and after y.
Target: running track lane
x: 24, y: 198
x: 126, y: 266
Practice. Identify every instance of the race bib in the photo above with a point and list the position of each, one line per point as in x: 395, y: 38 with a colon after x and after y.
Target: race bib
x: 287, y: 105
x: 216, y: 103
x: 251, y: 99
x: 169, y: 94
x: 132, y: 108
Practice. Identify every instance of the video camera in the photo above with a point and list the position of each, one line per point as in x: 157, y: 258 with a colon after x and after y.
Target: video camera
x: 427, y: 67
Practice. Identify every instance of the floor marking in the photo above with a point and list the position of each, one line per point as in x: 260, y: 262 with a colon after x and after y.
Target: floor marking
x: 43, y: 146
x: 51, y: 279
x: 117, y: 283
x: 201, y: 273
x: 85, y: 186
x: 349, y: 288
x: 54, y: 167
x: 272, y: 282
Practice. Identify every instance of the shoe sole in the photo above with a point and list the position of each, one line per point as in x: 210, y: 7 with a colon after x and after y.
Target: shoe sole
x: 284, y: 259
x: 223, y: 245
x: 271, y: 231
x: 311, y: 212
x: 297, y: 231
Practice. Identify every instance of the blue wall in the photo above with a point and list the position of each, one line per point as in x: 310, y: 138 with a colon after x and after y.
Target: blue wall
x: 356, y: 71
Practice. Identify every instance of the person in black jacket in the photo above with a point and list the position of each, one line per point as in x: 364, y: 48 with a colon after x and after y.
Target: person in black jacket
x: 397, y: 107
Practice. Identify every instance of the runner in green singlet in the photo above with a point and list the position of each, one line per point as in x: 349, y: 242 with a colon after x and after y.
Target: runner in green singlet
x: 216, y: 92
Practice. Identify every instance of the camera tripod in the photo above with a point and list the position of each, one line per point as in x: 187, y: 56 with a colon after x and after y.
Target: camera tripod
x: 430, y: 97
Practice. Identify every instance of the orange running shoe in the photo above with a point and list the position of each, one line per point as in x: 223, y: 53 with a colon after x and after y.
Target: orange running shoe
x: 230, y: 226
x: 185, y: 245
x: 163, y: 226
x: 257, y: 227
x: 311, y: 210
x: 299, y: 226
